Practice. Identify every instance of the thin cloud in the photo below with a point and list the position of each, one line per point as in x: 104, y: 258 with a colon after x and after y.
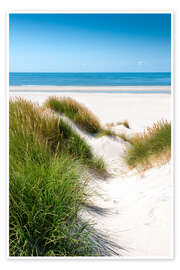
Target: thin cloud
x: 140, y: 63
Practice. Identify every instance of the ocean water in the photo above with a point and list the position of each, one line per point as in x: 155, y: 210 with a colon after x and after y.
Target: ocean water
x: 91, y: 79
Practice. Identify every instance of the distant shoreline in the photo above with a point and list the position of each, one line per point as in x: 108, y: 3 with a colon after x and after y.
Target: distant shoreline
x: 93, y: 89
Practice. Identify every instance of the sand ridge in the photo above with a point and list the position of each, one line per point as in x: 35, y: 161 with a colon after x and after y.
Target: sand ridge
x: 138, y: 209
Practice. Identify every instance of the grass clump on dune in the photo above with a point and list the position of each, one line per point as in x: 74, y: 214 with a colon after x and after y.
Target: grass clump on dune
x: 153, y: 147
x: 125, y: 123
x: 59, y: 136
x: 46, y: 185
x: 77, y: 112
x: 82, y: 116
x: 106, y: 132
x: 110, y: 132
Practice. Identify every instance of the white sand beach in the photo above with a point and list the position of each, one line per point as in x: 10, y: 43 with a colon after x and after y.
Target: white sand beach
x: 137, y: 208
x: 26, y: 88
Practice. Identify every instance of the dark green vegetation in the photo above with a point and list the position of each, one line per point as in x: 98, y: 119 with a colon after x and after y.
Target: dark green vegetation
x: 82, y: 116
x: 152, y: 148
x: 47, y: 184
x: 77, y: 112
x: 55, y: 132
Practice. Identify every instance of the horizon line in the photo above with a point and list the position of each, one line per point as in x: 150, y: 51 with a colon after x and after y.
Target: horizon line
x: 89, y: 71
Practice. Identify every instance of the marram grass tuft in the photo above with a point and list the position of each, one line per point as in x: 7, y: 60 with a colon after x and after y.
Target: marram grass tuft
x: 77, y: 112
x: 47, y: 185
x: 151, y: 148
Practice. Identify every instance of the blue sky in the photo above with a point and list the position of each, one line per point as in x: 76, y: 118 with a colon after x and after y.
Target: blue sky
x: 90, y: 42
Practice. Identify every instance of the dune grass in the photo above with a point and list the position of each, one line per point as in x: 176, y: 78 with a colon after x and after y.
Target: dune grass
x: 77, y: 112
x: 153, y: 147
x: 125, y: 123
x: 106, y: 132
x: 109, y: 125
x: 110, y: 132
x: 59, y: 136
x: 47, y: 185
x: 82, y: 116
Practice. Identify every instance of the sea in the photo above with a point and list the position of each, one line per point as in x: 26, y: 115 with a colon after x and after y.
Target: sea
x: 91, y: 79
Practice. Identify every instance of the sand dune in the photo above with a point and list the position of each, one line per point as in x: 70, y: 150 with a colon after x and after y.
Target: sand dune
x: 139, y: 110
x: 138, y: 208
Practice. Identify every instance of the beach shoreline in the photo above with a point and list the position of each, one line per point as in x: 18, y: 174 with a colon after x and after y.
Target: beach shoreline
x: 46, y: 88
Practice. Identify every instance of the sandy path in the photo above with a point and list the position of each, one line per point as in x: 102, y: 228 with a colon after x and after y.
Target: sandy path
x: 138, y: 211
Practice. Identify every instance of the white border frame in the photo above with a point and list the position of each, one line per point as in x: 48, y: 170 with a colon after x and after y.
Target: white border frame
x: 82, y: 11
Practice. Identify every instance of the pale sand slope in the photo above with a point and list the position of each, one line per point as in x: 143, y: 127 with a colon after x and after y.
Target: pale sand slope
x: 138, y: 212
